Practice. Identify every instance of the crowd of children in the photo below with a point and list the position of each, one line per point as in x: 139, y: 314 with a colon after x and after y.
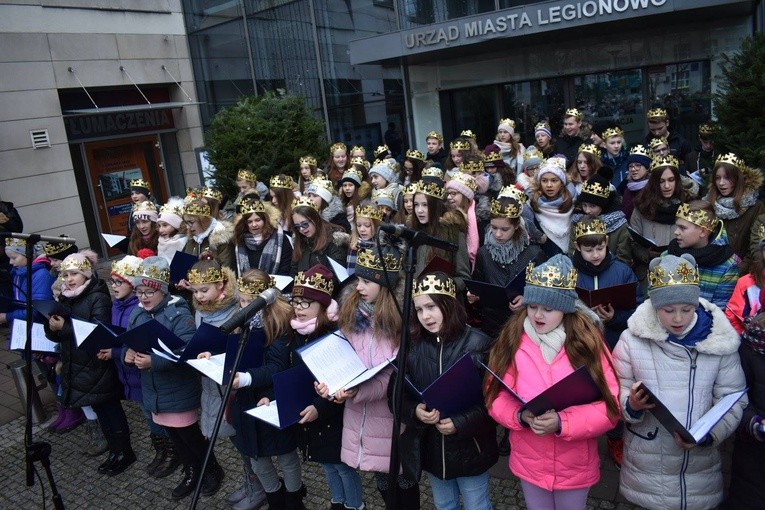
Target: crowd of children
x: 550, y: 224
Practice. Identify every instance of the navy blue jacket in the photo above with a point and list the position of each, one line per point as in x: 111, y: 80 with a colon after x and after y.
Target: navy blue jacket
x: 169, y: 387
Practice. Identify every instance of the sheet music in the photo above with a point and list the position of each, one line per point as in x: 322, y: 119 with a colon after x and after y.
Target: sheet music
x: 40, y: 342
x: 163, y: 355
x: 368, y: 374
x: 82, y: 329
x: 212, y: 368
x: 269, y: 413
x: 333, y: 361
x: 707, y: 422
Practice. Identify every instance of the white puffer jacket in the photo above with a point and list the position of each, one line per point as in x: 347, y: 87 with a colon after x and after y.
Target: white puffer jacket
x: 656, y: 473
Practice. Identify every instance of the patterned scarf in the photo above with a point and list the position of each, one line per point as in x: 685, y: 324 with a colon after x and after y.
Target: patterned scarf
x: 508, y: 252
x: 726, y: 209
x: 754, y: 334
x: 269, y: 257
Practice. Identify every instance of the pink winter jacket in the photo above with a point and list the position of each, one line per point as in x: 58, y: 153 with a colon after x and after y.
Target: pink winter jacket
x: 554, y: 462
x: 367, y: 421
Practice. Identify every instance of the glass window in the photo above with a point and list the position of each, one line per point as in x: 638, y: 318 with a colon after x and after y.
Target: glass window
x: 684, y: 89
x: 613, y: 97
x: 423, y: 12
x: 530, y: 102
x: 474, y: 109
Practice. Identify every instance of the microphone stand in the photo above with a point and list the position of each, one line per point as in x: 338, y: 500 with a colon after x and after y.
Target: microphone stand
x: 36, y: 451
x: 243, y: 338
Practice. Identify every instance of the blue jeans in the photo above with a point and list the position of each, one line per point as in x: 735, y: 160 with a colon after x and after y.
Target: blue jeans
x: 157, y: 430
x: 474, y: 491
x: 344, y: 484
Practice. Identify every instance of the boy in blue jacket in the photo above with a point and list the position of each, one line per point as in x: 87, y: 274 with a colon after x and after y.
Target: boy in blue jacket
x: 42, y: 280
x: 597, y: 269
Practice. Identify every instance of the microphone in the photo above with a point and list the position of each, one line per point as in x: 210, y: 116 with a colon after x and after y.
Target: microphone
x: 265, y: 298
x: 417, y: 238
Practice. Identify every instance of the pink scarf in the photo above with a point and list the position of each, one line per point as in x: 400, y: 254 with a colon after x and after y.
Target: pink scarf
x: 309, y: 326
x: 75, y: 291
x: 472, y: 234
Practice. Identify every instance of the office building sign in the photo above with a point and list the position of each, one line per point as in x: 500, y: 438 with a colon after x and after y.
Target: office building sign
x: 112, y: 124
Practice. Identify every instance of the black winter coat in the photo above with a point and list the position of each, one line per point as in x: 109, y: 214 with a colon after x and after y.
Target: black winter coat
x: 256, y: 438
x: 86, y: 380
x: 747, y: 491
x: 473, y: 449
x: 320, y: 439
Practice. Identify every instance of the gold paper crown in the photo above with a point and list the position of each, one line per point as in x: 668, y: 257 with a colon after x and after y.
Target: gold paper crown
x: 684, y: 274
x: 338, y: 146
x: 468, y: 133
x: 246, y: 175
x: 640, y: 150
x: 147, y: 206
x: 590, y: 148
x: 612, y: 131
x: 466, y: 180
x: 431, y: 189
x: 326, y: 184
x: 551, y: 278
x: 16, y: 243
x: 655, y: 142
x: 433, y: 171
x: 698, y: 218
x: 369, y: 211
x: 358, y: 160
x: 353, y: 171
x: 415, y: 154
x: 492, y: 157
x: 191, y: 194
x: 140, y: 183
x: 410, y: 189
x: 212, y: 275
x: 154, y: 272
x: 460, y: 145
x: 285, y: 182
x: 729, y: 159
x: 212, y: 193
x: 172, y: 207
x: 558, y: 162
x: 432, y: 284
x: 512, y: 192
x: 384, y: 193
x: 251, y: 206
x: 380, y: 150
x: 532, y: 152
x: 308, y: 160
x: 665, y: 162
x: 197, y: 210
x: 542, y: 125
x: 706, y: 130
x: 469, y: 167
x: 656, y: 113
x: 574, y: 112
x: 256, y: 287
x: 368, y: 258
x: 595, y: 188
x: 436, y: 135
x: 75, y: 264
x: 512, y: 210
x: 54, y: 248
x: 358, y: 148
x: 596, y: 227
x: 304, y: 201
x: 509, y: 122
x: 316, y: 281
x: 124, y: 268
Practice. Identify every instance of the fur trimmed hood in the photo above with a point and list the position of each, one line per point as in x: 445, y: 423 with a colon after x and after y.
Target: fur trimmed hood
x: 222, y: 233
x: 454, y: 220
x: 753, y: 179
x: 341, y: 238
x: 722, y: 340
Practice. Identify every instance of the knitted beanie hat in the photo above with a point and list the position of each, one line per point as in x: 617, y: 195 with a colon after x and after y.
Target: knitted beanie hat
x: 463, y: 183
x: 552, y: 284
x: 673, y: 280
x: 316, y: 284
x: 596, y: 191
x: 60, y: 251
x: 126, y: 269
x: 83, y: 262
x: 370, y: 267
x: 385, y: 171
x: 172, y: 212
x: 19, y: 246
x: 154, y: 272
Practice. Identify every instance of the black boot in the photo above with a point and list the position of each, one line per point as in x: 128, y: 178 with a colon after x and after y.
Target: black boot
x: 169, y: 462
x: 188, y: 483
x: 158, y: 443
x: 504, y: 444
x: 276, y: 500
x: 105, y: 465
x: 409, y: 499
x: 294, y: 500
x: 212, y: 478
x: 125, y: 455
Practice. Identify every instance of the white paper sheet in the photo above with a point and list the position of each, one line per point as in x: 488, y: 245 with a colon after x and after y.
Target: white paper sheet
x: 212, y: 368
x: 82, y: 329
x: 269, y: 414
x: 707, y: 422
x: 281, y: 281
x: 340, y: 272
x: 40, y: 342
x: 112, y: 240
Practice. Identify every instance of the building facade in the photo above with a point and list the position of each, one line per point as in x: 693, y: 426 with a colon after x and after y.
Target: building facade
x: 93, y: 94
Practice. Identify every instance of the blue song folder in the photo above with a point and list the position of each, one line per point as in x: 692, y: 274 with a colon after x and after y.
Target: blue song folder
x: 101, y: 336
x: 577, y: 388
x: 293, y: 392
x: 48, y: 308
x: 7, y: 304
x: 455, y: 390
x: 180, y: 265
x: 146, y: 337
x: 252, y: 357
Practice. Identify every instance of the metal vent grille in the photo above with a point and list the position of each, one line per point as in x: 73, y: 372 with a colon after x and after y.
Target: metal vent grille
x: 40, y: 138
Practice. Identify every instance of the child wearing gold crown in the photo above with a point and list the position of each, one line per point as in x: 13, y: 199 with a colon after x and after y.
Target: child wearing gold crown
x: 554, y: 454
x: 350, y: 186
x: 658, y: 127
x: 683, y: 349
x: 543, y: 139
x: 337, y: 163
x: 172, y: 231
x: 412, y: 166
x: 459, y: 149
x: 315, y: 240
x: 140, y: 192
x: 206, y: 233
x: 15, y: 250
x: 455, y: 451
x: 615, y: 155
x: 307, y: 171
x: 598, y: 198
x: 282, y: 193
x: 638, y: 164
x: 259, y: 241
x: 699, y: 233
x: 511, y: 150
x: 322, y: 192
x: 145, y: 234
x: 574, y: 133
x: 370, y: 320
x: 368, y: 220
x: 586, y: 164
x: 434, y: 148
